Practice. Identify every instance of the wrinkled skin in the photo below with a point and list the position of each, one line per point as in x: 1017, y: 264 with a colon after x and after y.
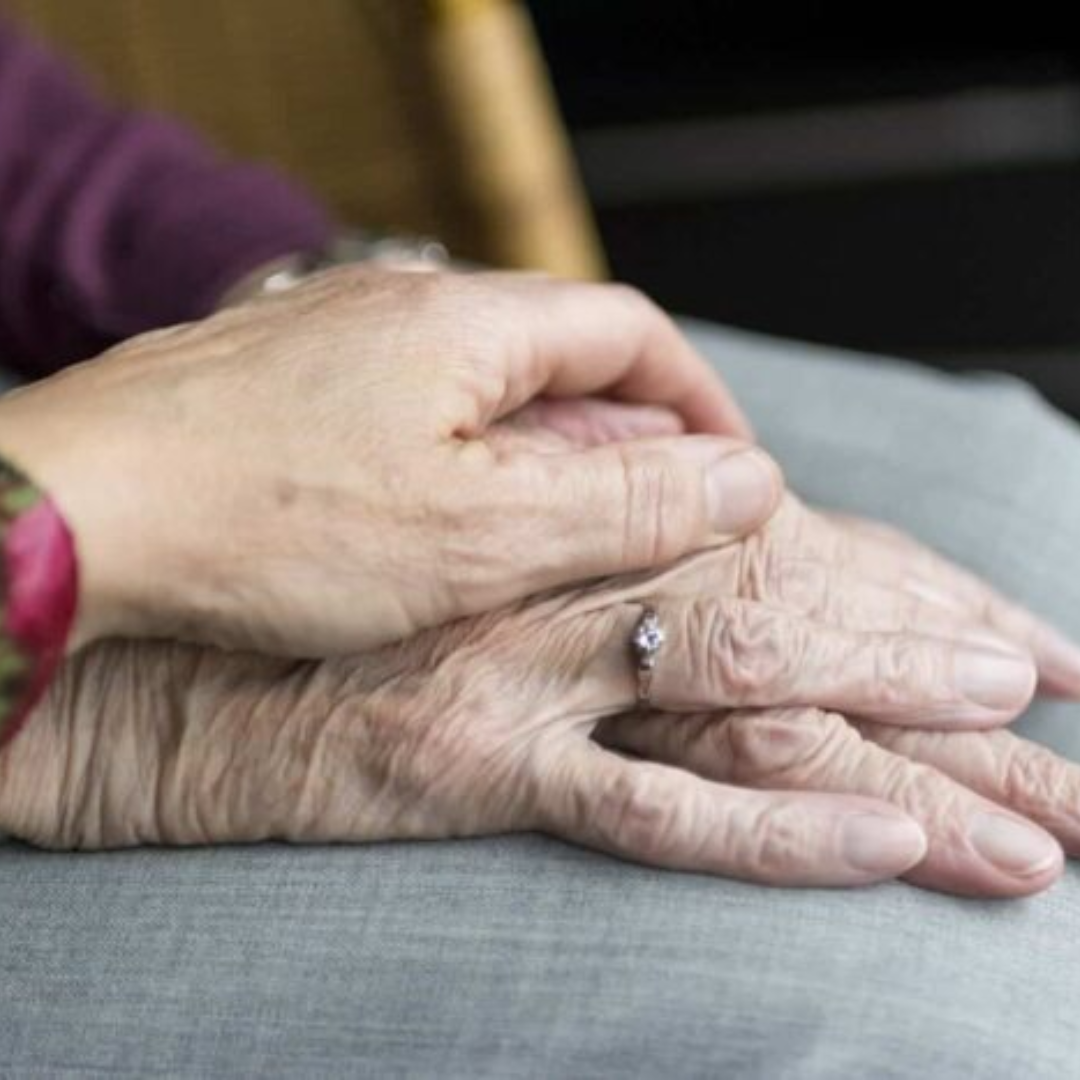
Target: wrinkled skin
x: 523, y: 719
x: 311, y: 475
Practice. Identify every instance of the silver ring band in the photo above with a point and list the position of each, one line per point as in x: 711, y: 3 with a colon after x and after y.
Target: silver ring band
x: 646, y: 641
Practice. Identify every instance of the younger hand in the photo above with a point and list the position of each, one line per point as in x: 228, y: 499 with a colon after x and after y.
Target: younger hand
x: 310, y: 474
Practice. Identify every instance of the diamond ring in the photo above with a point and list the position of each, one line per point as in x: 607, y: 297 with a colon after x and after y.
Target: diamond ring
x: 646, y: 642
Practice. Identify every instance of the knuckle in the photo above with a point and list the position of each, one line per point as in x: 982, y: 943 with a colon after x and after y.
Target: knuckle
x: 905, y: 670
x: 786, y: 746
x: 638, y: 812
x: 754, y: 655
x: 1032, y: 779
x: 771, y: 838
x: 661, y: 510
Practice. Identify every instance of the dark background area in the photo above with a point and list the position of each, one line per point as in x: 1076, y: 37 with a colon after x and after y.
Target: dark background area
x: 902, y: 197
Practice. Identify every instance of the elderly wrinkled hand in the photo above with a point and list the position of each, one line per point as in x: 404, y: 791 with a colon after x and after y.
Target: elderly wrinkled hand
x: 495, y: 724
x: 309, y: 475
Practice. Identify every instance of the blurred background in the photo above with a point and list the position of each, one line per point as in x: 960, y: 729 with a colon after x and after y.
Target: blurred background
x: 883, y: 193
x: 871, y: 191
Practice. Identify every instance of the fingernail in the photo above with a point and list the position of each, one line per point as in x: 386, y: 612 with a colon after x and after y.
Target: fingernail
x: 742, y: 491
x: 1012, y: 846
x: 995, y: 680
x: 882, y: 845
x: 1060, y: 660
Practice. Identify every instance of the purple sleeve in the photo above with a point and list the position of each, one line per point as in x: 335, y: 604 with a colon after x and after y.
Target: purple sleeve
x: 113, y: 222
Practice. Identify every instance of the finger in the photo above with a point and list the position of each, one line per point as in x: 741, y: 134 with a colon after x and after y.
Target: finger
x: 666, y: 817
x: 935, y: 579
x: 975, y: 847
x: 578, y: 423
x: 733, y: 654
x: 840, y: 597
x: 626, y: 506
x: 1014, y: 772
x: 581, y: 338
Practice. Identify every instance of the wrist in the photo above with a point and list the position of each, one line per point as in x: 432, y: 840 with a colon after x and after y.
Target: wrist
x: 40, y: 435
x: 38, y: 594
x: 348, y: 246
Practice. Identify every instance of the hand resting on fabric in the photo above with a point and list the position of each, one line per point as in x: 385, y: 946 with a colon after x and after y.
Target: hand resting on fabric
x: 495, y: 724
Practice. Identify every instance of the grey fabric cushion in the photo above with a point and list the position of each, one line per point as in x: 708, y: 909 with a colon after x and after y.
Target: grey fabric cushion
x: 516, y: 957
x: 524, y: 957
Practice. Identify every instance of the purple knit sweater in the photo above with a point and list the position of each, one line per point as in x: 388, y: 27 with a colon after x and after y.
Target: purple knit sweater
x: 112, y: 222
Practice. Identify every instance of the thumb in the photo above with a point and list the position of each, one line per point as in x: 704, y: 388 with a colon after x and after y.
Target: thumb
x: 639, y: 504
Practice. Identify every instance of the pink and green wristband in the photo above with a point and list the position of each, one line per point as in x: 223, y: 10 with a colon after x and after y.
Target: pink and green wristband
x: 38, y: 595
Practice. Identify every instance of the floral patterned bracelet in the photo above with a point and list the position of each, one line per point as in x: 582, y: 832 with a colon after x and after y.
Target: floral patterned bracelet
x: 38, y: 594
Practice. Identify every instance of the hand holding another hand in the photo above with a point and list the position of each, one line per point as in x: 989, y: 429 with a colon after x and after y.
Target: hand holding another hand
x: 522, y: 719
x: 311, y: 474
